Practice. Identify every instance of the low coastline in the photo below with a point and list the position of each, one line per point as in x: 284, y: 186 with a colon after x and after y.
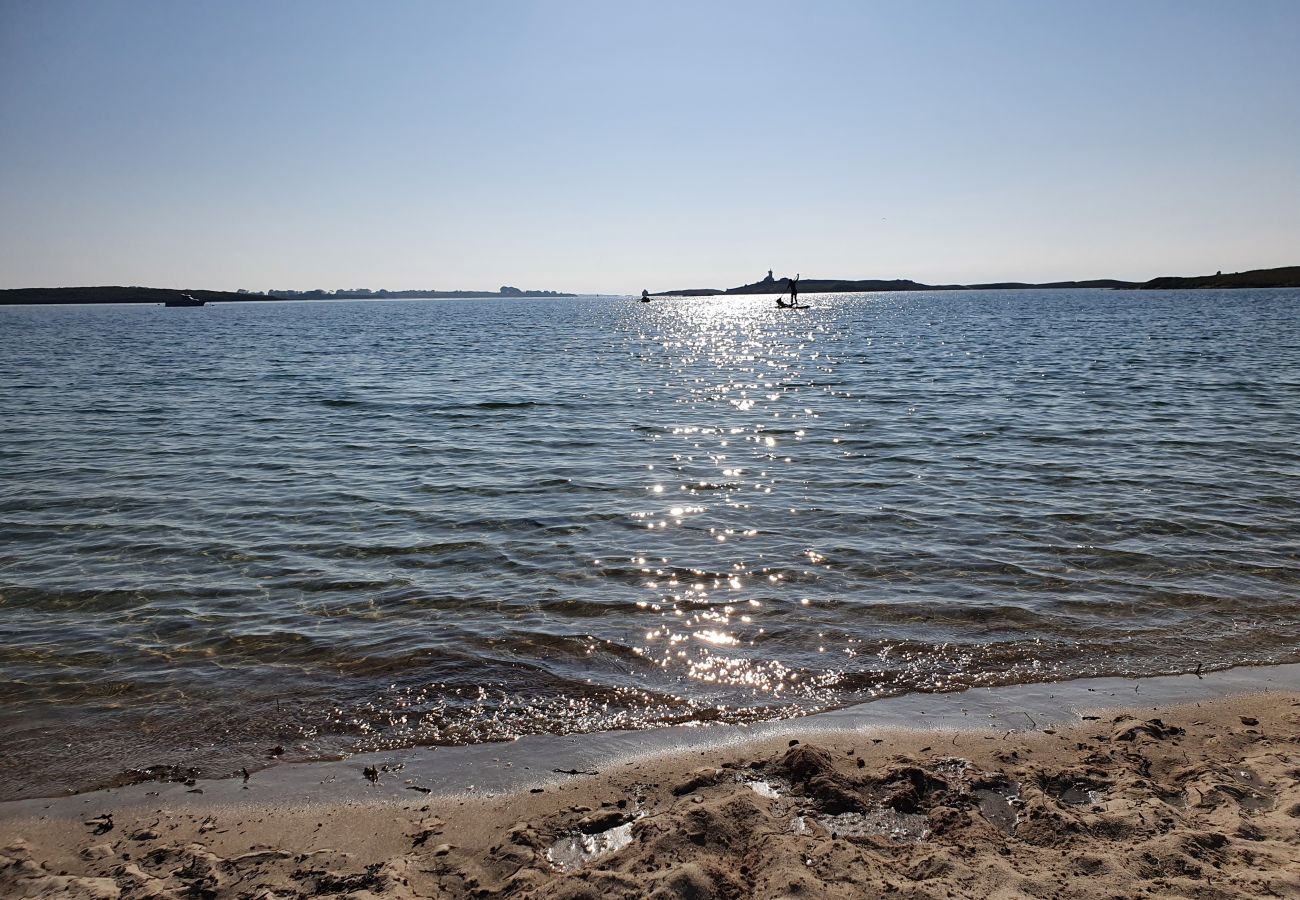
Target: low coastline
x: 1282, y: 277
x: 116, y: 295
x: 1175, y: 785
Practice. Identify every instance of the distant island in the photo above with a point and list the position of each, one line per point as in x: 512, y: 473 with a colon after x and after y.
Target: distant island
x: 30, y: 296
x: 1257, y: 278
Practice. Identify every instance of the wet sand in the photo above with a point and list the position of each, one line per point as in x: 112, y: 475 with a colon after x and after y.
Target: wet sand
x: 1192, y: 800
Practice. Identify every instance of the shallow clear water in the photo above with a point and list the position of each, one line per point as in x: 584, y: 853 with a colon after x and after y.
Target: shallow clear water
x: 351, y: 525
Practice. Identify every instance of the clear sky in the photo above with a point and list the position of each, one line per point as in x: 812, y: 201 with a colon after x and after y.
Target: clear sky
x: 609, y: 146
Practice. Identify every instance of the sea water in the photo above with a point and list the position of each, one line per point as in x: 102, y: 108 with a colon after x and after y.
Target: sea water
x: 319, y: 528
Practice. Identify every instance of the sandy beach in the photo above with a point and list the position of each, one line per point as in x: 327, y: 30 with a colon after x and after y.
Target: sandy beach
x: 1192, y: 800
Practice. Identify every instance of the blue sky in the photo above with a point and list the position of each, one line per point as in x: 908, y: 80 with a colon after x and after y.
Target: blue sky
x: 601, y: 146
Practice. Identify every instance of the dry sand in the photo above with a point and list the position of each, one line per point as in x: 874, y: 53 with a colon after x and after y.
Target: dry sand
x: 1184, y: 801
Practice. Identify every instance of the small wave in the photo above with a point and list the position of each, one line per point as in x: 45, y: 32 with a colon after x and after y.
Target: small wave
x: 506, y: 404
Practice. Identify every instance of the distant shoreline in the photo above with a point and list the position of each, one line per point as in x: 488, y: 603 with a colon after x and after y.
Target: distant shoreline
x: 1284, y: 277
x: 1288, y: 276
x: 114, y: 294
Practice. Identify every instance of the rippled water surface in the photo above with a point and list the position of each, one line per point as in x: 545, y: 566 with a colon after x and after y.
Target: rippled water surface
x: 353, y: 525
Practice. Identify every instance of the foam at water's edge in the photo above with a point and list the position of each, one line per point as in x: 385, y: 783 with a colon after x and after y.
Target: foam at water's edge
x: 540, y: 760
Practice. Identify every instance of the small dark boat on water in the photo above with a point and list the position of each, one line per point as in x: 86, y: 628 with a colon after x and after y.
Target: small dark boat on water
x: 185, y: 300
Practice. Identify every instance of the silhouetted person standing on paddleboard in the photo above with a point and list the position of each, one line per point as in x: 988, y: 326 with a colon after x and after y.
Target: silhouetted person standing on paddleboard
x: 794, y: 291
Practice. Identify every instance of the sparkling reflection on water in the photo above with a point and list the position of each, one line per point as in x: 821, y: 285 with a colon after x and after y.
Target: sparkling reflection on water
x: 339, y: 526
